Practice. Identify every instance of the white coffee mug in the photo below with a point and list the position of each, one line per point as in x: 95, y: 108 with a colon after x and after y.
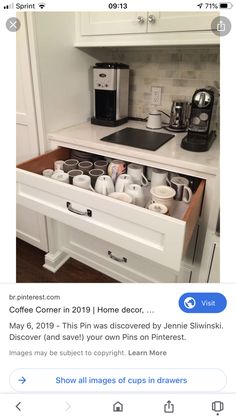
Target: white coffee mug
x: 104, y: 185
x: 158, y: 177
x: 60, y: 176
x: 59, y: 171
x: 159, y: 208
x: 59, y: 164
x: 48, y: 172
x: 136, y: 173
x: 121, y: 196
x: 180, y: 185
x: 116, y: 168
x: 122, y: 181
x: 136, y: 193
x: 163, y: 195
x: 83, y: 181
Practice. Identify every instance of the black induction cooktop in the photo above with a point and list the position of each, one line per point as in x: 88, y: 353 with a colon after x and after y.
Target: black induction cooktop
x: 138, y: 138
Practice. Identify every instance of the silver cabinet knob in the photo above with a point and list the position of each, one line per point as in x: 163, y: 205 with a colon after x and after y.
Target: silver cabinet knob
x: 151, y: 19
x: 140, y: 19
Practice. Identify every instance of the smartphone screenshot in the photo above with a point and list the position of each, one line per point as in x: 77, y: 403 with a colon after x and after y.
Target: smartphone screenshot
x: 114, y: 351
x: 118, y: 297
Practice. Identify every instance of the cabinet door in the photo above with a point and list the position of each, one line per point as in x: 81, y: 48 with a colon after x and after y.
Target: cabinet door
x: 214, y: 269
x: 30, y: 225
x: 26, y: 128
x: 180, y: 21
x: 108, y: 23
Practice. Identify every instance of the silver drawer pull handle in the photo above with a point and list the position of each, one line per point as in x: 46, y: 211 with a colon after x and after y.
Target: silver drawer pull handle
x: 70, y: 208
x: 116, y: 258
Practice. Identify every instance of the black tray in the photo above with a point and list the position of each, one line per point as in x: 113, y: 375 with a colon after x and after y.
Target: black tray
x: 138, y: 138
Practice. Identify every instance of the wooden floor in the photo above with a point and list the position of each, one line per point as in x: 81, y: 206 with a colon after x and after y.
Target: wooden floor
x: 29, y: 262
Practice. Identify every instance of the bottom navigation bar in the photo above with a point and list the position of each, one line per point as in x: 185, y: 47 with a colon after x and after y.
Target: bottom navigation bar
x: 123, y: 406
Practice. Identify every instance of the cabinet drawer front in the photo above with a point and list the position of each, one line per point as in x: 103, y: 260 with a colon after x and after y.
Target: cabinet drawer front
x: 114, y: 261
x: 156, y: 237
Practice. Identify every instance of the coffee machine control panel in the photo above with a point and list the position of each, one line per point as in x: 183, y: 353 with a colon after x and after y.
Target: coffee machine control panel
x: 105, y: 79
x: 199, y: 121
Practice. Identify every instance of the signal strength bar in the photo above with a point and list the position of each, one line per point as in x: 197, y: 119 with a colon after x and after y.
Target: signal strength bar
x: 9, y: 6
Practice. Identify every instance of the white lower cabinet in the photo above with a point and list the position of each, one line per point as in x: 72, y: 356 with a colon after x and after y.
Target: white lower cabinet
x: 114, y: 261
x: 214, y: 268
x: 31, y: 227
x: 185, y: 275
x: 210, y: 271
x: 130, y: 241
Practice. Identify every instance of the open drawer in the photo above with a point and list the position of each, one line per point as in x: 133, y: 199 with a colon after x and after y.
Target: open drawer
x: 160, y: 238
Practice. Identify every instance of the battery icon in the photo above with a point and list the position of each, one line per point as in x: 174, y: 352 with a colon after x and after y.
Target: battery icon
x: 226, y: 5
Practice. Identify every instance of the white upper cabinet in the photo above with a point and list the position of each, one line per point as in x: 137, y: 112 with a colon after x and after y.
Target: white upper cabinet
x: 108, y: 23
x: 144, y: 28
x: 179, y: 21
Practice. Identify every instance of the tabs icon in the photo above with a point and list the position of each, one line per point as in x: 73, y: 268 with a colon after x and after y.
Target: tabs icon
x: 217, y: 407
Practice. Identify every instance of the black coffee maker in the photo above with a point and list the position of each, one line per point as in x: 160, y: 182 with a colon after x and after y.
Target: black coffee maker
x: 201, y: 130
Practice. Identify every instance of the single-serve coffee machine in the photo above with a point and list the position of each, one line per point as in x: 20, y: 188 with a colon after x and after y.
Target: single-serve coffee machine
x: 201, y: 130
x: 111, y: 90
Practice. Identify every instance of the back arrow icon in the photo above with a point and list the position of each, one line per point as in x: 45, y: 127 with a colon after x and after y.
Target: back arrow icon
x: 17, y: 406
x: 22, y: 380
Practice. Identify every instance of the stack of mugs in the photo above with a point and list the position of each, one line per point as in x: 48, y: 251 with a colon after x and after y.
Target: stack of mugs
x: 71, y: 170
x: 166, y: 188
x: 124, y: 181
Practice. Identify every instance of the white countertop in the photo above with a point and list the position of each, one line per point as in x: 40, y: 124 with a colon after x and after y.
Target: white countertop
x: 86, y: 137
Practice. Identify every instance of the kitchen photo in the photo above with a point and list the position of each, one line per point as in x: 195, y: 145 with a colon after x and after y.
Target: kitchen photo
x: 117, y: 147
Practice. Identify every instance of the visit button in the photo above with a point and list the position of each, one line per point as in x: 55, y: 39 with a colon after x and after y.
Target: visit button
x: 202, y: 302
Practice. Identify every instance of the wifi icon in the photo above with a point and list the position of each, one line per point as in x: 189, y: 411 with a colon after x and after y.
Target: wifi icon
x: 42, y: 5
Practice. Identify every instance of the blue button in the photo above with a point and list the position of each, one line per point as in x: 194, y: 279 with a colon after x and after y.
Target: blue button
x: 202, y: 302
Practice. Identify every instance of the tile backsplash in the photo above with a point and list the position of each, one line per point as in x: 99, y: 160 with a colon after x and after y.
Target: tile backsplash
x: 178, y: 70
